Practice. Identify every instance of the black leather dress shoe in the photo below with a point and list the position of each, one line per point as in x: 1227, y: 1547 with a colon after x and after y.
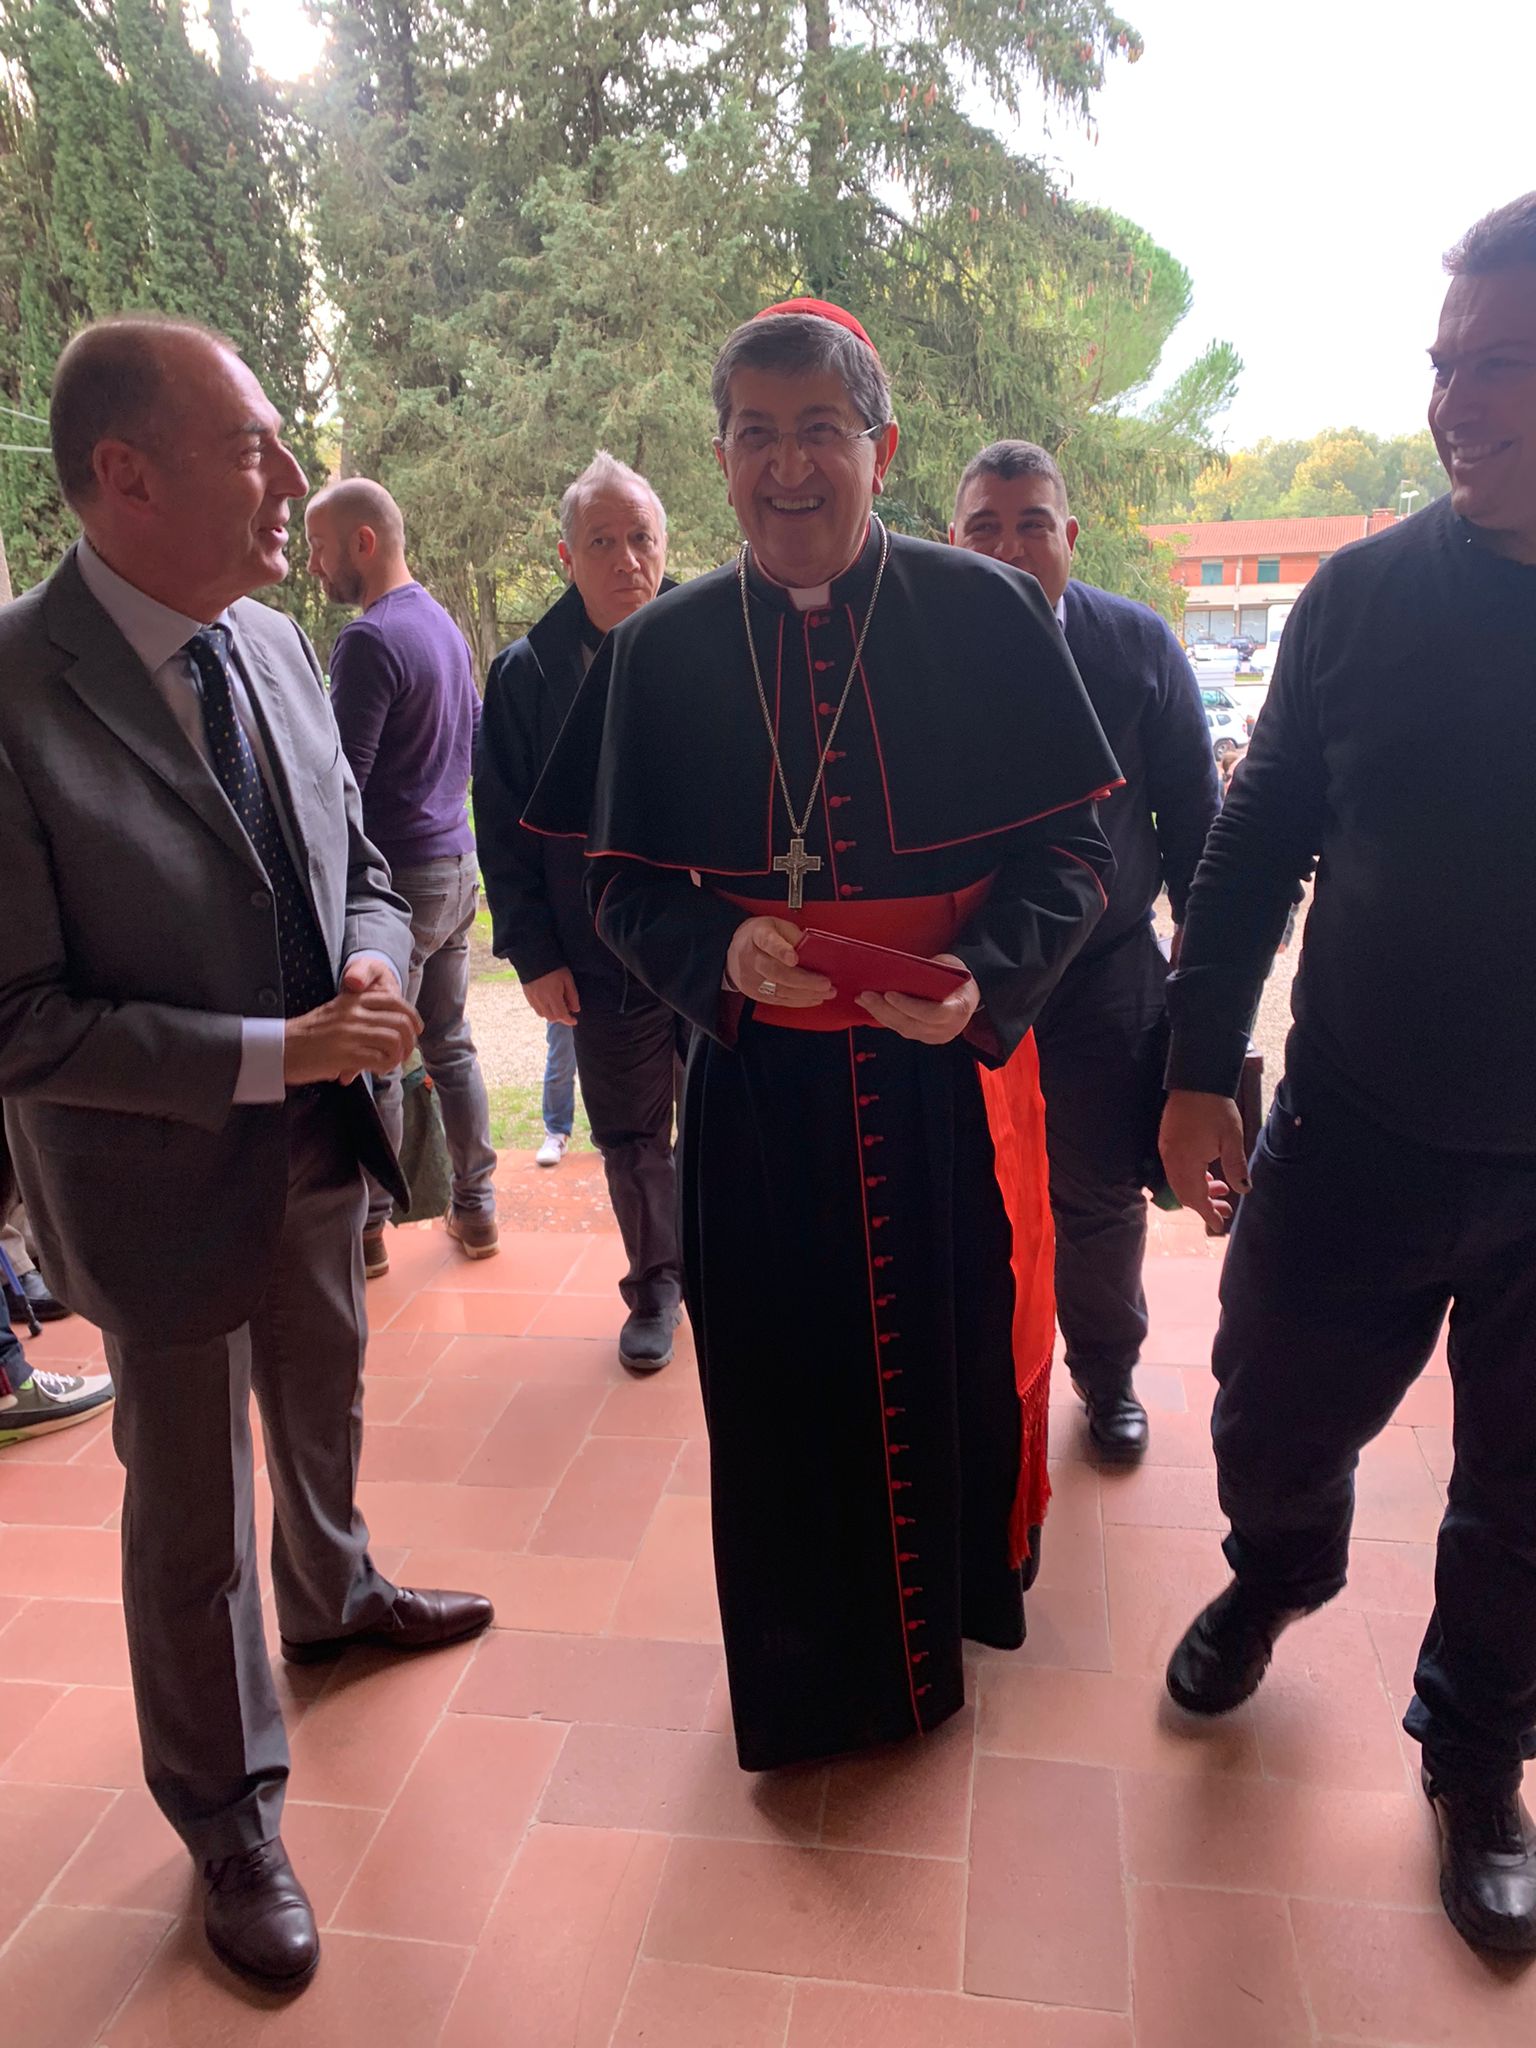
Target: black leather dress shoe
x: 1225, y: 1651
x: 1487, y: 1864
x: 421, y: 1621
x: 258, y: 1919
x: 33, y: 1290
x: 1117, y: 1423
x: 645, y: 1342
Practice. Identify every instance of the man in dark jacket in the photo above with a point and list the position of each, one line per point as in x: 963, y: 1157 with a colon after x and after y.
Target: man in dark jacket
x: 1101, y: 1032
x: 613, y: 547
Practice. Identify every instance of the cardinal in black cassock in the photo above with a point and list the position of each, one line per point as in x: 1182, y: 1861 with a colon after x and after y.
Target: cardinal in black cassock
x: 911, y: 759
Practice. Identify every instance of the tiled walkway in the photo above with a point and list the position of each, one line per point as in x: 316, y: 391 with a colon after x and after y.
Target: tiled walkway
x: 543, y: 1841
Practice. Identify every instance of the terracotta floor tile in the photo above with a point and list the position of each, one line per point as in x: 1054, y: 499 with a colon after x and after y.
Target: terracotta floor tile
x: 1182, y: 1440
x: 1390, y: 1577
x: 366, y: 1991
x: 87, y: 1736
x: 600, y: 1265
x: 23, y: 1705
x: 1436, y: 1449
x: 530, y: 1262
x: 417, y: 1512
x: 1428, y: 1400
x: 417, y: 1250
x: 423, y: 1453
x: 1046, y: 1922
x: 69, y: 1496
x: 665, y: 1404
x: 364, y: 1731
x: 460, y: 1315
x: 456, y: 1401
x: 670, y: 1594
x: 11, y: 1605
x: 568, y: 1595
x: 852, y: 2016
x: 1396, y: 1500
x: 1322, y: 1715
x: 67, y: 1446
x: 834, y: 1913
x: 132, y: 1862
x: 65, y: 1346
x: 327, y: 1843
x: 560, y: 1947
x: 574, y: 1678
x: 79, y: 1564
x: 1159, y: 1579
x: 677, y: 1782
x: 1215, y: 1969
x: 41, y: 1827
x: 1182, y: 1289
x: 67, y: 1971
x: 386, y: 1398
x: 578, y: 1315
x: 673, y: 2005
x: 1178, y: 1343
x: 1072, y: 1543
x: 1119, y: 1719
x: 567, y: 1361
x: 66, y: 1642
x: 410, y: 1353
x: 433, y: 1870
x: 1261, y: 1835
x: 540, y: 1430
x: 604, y: 1504
x: 1068, y: 1625
x: 912, y: 1797
x: 691, y: 1472
x: 1199, y: 1388
x: 1396, y: 1638
x: 1376, y: 1975
x: 1163, y: 1497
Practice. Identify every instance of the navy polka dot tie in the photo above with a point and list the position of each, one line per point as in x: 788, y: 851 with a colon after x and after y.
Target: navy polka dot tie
x: 305, y: 963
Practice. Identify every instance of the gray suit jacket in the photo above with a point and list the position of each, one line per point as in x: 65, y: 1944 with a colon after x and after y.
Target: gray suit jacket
x: 136, y: 930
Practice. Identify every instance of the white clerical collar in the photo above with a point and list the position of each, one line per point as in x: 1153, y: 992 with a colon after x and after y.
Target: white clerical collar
x: 812, y: 600
x: 151, y: 628
x: 1061, y: 611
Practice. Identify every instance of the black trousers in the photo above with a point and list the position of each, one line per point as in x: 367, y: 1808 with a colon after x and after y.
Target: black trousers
x: 1100, y: 1041
x: 1343, y: 1263
x: 628, y: 1052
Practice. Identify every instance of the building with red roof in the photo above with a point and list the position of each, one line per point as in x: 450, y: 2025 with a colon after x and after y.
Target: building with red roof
x: 1235, y: 571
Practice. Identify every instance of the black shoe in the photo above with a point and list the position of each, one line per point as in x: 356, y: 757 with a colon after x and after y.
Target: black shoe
x: 32, y: 1291
x: 1225, y: 1651
x: 1029, y: 1571
x: 1487, y: 1863
x: 645, y: 1342
x: 258, y: 1919
x: 1117, y: 1423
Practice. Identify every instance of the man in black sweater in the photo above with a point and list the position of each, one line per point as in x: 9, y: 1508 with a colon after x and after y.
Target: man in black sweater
x: 1396, y: 1176
x: 1100, y: 1036
x: 613, y: 546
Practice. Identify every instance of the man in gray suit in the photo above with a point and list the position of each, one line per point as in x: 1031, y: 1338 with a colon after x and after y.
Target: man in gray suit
x: 202, y: 955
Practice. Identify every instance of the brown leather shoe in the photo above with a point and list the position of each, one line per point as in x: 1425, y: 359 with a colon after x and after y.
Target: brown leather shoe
x: 258, y: 1919
x: 422, y: 1620
x: 375, y: 1255
x: 476, y: 1236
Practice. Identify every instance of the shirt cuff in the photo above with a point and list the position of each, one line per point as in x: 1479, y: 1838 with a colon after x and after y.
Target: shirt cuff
x: 1208, y: 1062
x: 260, y: 1078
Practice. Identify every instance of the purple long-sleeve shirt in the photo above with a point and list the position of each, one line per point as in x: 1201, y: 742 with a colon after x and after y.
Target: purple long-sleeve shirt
x: 404, y: 695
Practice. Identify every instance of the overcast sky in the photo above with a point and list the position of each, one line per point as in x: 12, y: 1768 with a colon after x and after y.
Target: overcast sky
x: 1307, y: 162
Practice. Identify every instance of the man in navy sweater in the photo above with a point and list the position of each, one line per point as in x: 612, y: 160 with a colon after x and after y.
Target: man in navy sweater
x: 1100, y: 1034
x: 1396, y: 1176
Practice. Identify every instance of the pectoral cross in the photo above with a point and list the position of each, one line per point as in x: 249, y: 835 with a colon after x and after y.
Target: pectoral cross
x: 797, y: 864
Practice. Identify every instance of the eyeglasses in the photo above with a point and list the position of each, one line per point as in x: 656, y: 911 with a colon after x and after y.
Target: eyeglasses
x: 821, y: 437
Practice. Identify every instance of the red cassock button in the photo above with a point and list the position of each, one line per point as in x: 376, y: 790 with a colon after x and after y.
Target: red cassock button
x: 850, y: 889
x: 825, y: 709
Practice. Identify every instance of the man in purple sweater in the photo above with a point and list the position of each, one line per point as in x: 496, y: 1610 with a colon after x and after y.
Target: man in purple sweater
x: 406, y: 705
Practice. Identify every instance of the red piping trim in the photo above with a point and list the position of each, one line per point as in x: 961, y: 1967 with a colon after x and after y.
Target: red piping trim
x: 810, y: 677
x: 885, y: 1436
x: 1084, y: 865
x: 543, y: 831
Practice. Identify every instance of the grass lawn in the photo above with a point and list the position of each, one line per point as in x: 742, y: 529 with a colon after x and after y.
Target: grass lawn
x: 517, y: 1123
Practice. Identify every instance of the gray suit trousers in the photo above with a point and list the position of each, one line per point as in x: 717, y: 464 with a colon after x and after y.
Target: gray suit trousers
x: 215, y: 1753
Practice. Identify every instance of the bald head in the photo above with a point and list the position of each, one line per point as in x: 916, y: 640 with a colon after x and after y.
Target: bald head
x: 356, y: 541
x: 117, y: 381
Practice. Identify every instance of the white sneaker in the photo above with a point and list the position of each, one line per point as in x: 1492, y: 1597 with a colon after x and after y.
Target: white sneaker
x: 46, y: 1401
x: 552, y: 1151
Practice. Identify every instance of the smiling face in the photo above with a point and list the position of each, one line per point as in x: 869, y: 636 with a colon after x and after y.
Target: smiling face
x: 803, y: 513
x: 1020, y: 520
x: 617, y: 552
x: 1483, y: 409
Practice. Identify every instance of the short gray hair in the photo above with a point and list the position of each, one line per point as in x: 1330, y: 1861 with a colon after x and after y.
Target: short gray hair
x: 603, y: 473
x: 1499, y: 241
x: 113, y: 383
x: 803, y: 345
x: 1010, y: 459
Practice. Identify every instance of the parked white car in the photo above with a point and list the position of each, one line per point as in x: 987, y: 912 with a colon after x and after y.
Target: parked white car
x: 1229, y: 728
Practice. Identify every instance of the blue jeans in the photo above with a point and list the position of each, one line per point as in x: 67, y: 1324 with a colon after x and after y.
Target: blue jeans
x: 559, y: 1079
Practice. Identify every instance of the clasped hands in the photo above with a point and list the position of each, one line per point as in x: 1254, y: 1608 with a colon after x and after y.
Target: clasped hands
x: 366, y: 1028
x: 762, y: 950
